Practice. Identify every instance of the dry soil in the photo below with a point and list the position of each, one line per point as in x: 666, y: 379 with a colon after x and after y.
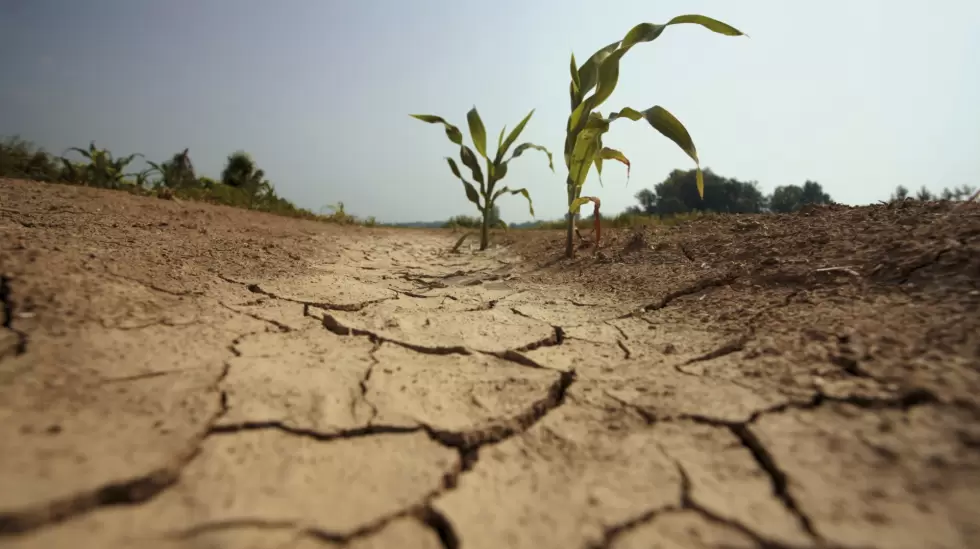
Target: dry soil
x: 175, y: 375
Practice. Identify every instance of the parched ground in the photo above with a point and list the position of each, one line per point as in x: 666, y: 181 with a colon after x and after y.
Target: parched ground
x: 181, y: 375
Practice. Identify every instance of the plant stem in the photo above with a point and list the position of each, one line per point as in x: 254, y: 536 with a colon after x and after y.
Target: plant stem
x: 485, y: 229
x: 570, y: 224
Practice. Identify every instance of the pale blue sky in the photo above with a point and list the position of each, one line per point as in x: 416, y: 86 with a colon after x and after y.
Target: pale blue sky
x: 859, y: 95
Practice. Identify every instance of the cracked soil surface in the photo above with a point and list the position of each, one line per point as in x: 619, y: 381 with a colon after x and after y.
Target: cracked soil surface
x: 183, y: 375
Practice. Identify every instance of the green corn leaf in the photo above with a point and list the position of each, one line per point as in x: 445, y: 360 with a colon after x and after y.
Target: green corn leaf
x: 471, y: 192
x: 583, y: 155
x: 512, y: 137
x: 522, y: 192
x: 575, y: 119
x: 708, y: 23
x: 525, y: 146
x: 500, y: 171
x: 672, y: 128
x: 647, y: 32
x: 478, y: 132
x: 588, y: 73
x: 608, y: 77
x: 500, y: 138
x: 605, y: 153
x: 598, y: 160
x: 577, y: 204
x: 470, y: 161
x: 452, y: 132
x: 574, y: 71
x: 83, y: 152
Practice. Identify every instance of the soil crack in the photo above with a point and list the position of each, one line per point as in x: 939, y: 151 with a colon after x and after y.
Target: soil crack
x: 343, y: 434
x: 700, y: 285
x: 468, y: 443
x: 778, y: 478
x: 9, y: 311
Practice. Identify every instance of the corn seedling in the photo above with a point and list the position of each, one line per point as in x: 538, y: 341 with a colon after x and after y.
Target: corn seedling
x: 586, y: 126
x: 102, y: 169
x: 496, y: 166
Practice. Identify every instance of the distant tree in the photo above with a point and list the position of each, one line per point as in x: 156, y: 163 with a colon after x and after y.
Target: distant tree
x: 22, y: 159
x: 648, y: 202
x: 786, y: 198
x: 241, y: 173
x: 924, y: 194
x: 813, y: 194
x: 472, y: 222
x: 678, y: 194
x: 176, y: 173
x: 961, y: 192
x: 789, y: 198
x: 901, y: 193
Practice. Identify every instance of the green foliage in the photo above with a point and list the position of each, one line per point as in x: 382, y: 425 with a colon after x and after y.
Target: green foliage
x: 242, y: 173
x: 586, y: 126
x: 963, y: 192
x: 22, y: 159
x: 176, y: 173
x: 789, y: 198
x: 679, y: 194
x: 471, y: 222
x: 337, y: 214
x: 100, y: 170
x: 496, y: 167
x: 172, y: 178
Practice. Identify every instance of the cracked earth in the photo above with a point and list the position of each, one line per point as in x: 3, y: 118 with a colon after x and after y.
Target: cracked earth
x: 183, y: 375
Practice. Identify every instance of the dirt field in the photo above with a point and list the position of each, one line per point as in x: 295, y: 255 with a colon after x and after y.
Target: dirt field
x: 182, y: 375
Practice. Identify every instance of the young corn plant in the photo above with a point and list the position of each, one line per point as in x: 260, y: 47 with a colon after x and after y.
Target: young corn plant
x: 102, y: 169
x: 586, y: 126
x: 496, y: 166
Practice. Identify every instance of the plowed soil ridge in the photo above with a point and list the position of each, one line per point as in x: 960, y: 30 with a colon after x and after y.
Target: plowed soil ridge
x: 183, y: 375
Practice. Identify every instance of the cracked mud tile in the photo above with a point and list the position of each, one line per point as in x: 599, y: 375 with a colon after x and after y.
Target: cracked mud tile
x: 267, y: 477
x: 676, y: 340
x: 107, y: 415
x: 726, y: 481
x: 563, y: 483
x: 278, y: 313
x: 682, y: 530
x: 326, y: 289
x: 241, y: 536
x: 69, y: 450
x: 564, y: 313
x: 400, y: 532
x: 471, y: 297
x: 455, y: 393
x: 411, y: 305
x: 896, y: 479
x: 488, y: 331
x: 307, y: 380
x: 587, y: 359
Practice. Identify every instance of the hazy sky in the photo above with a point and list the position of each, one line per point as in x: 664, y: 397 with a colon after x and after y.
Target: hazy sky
x: 858, y: 95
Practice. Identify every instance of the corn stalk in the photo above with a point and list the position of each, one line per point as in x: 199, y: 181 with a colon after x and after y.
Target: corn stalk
x: 102, y: 169
x: 586, y: 126
x: 496, y: 166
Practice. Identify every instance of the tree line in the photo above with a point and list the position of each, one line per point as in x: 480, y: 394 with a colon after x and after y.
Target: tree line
x: 678, y: 194
x: 241, y: 183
